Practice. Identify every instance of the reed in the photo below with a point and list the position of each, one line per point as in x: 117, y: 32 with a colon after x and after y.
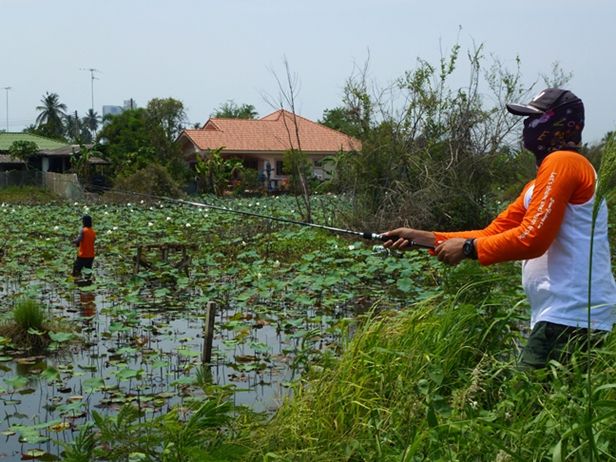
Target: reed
x: 28, y: 314
x: 439, y: 381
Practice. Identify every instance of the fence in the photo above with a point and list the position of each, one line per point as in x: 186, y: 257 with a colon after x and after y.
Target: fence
x: 20, y: 178
x: 62, y: 184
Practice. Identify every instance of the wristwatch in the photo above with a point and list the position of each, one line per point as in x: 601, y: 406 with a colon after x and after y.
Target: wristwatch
x: 469, y: 249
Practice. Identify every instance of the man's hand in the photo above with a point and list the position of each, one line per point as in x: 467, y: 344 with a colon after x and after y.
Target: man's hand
x: 451, y: 251
x: 403, y: 238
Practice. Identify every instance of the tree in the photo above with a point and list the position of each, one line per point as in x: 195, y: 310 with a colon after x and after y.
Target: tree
x: 139, y: 137
x: 23, y: 150
x: 432, y: 156
x: 50, y: 118
x: 341, y: 119
x: 125, y: 140
x: 230, y: 110
x: 91, y: 121
x: 216, y: 172
x: 73, y: 128
x: 80, y: 160
x: 165, y: 119
x: 295, y: 155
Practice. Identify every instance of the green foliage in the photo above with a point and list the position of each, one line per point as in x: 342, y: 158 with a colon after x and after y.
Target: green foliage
x: 215, y: 172
x: 342, y: 119
x: 230, y: 110
x: 80, y: 161
x: 433, y: 156
x: 139, y: 137
x: 438, y: 381
x: 28, y: 314
x: 297, y: 163
x: 126, y: 141
x: 165, y: 118
x: 23, y: 150
x: 123, y: 434
x: 182, y: 435
x: 27, y: 195
x: 153, y: 179
x: 185, y: 440
x: 81, y: 449
x: 91, y: 121
x: 52, y: 112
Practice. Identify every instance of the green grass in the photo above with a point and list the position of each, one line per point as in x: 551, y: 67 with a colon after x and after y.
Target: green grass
x: 26, y: 195
x: 28, y: 314
x: 439, y: 381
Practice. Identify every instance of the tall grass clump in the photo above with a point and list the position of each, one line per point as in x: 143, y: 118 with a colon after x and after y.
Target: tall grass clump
x: 28, y: 314
x: 440, y: 381
x: 605, y: 185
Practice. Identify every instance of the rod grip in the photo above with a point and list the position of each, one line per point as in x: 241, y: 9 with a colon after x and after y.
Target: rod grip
x: 387, y: 238
x: 395, y: 238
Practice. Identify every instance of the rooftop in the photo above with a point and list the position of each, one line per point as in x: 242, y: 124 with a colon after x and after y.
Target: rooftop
x: 7, y: 139
x: 274, y: 132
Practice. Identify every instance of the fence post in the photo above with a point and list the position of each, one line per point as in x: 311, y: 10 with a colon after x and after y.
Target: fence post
x: 208, y: 332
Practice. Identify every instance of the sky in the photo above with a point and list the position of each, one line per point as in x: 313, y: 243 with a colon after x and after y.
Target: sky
x: 205, y: 53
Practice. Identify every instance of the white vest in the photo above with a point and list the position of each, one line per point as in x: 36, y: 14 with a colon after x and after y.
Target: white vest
x: 556, y: 283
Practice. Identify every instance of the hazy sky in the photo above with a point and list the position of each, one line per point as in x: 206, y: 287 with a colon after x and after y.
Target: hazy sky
x: 207, y: 52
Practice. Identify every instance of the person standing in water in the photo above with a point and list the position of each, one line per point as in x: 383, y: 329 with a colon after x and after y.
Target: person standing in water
x: 85, y: 244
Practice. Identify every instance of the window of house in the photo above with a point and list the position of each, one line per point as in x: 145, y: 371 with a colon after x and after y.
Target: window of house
x: 280, y: 170
x: 252, y: 164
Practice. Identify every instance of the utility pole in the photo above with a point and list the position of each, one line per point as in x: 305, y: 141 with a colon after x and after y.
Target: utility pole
x: 91, y: 70
x: 6, y: 89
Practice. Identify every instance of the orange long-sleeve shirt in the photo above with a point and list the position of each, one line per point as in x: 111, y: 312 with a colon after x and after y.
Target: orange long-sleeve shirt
x: 85, y: 241
x: 521, y: 232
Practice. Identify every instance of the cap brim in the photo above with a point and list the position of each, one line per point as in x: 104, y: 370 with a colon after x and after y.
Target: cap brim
x: 523, y: 110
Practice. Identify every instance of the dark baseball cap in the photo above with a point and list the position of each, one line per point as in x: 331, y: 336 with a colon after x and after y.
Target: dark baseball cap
x: 550, y: 98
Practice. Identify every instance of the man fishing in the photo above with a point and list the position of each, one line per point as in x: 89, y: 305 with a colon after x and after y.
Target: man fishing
x: 548, y: 227
x: 85, y: 244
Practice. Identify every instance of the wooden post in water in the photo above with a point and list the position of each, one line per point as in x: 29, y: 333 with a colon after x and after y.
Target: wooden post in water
x: 137, y: 260
x: 208, y: 332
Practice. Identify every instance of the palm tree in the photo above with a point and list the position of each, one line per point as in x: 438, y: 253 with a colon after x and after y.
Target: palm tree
x: 73, y: 127
x: 92, y: 120
x: 51, y: 114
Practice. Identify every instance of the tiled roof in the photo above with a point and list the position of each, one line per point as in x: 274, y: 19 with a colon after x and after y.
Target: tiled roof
x: 274, y: 132
x: 7, y: 139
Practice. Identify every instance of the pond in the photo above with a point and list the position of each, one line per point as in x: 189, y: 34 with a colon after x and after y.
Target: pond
x: 284, y: 298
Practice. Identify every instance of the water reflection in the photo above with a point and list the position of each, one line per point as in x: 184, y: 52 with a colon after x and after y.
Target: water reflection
x: 87, y: 304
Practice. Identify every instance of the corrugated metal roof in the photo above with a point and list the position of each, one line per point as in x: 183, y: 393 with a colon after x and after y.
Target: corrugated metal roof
x: 7, y: 139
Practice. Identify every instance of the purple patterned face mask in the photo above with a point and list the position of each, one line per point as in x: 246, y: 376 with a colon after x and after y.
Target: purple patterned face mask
x: 555, y: 129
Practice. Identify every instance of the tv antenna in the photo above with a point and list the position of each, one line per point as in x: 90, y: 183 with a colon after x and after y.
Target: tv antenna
x: 91, y: 70
x: 6, y: 89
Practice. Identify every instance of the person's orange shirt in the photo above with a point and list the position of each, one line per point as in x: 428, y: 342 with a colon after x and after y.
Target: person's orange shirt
x: 521, y: 233
x: 86, y: 243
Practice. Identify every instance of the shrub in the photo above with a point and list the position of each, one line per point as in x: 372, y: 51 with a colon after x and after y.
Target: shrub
x: 153, y: 180
x: 28, y: 314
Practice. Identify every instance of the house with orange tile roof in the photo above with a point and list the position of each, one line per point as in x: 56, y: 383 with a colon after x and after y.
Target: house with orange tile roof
x: 260, y: 144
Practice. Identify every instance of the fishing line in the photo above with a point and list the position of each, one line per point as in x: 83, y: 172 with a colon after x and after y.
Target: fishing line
x: 364, y: 235
x: 368, y: 235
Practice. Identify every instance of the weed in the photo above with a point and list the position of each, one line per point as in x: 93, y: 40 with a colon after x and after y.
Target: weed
x: 28, y: 314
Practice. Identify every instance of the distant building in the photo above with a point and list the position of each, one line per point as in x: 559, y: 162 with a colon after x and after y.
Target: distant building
x: 261, y: 144
x: 130, y: 104
x: 111, y: 110
x: 52, y: 155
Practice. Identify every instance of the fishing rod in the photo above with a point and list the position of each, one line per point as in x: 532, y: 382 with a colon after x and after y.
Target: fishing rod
x: 362, y: 234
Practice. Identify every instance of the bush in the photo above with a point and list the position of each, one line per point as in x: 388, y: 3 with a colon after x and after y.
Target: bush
x: 152, y: 180
x: 28, y: 314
